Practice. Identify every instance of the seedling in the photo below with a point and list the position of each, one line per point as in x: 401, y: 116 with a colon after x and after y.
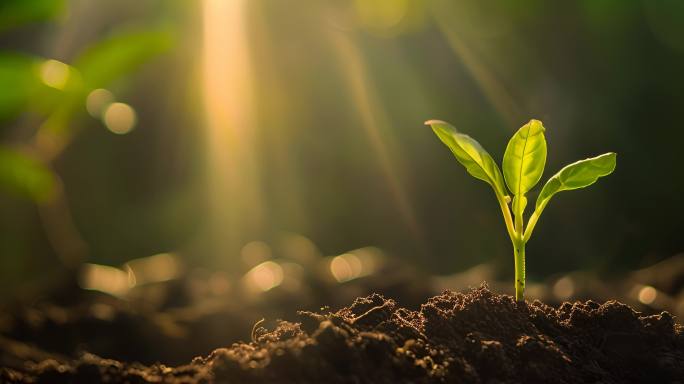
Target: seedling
x: 523, y: 165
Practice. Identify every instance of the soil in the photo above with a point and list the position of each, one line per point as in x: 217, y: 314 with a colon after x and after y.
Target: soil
x: 472, y: 337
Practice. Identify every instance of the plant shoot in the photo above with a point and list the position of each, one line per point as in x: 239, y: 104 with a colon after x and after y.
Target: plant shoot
x: 523, y: 165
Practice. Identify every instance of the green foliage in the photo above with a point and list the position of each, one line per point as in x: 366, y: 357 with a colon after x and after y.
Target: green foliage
x: 17, y: 75
x: 523, y: 165
x: 120, y: 54
x: 97, y: 66
x: 471, y: 154
x: 519, y: 204
x: 577, y: 175
x: 23, y: 175
x: 104, y: 62
x: 14, y: 13
x: 23, y: 90
x: 524, y: 159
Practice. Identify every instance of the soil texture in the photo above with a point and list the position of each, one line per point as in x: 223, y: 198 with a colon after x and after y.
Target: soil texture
x: 472, y: 337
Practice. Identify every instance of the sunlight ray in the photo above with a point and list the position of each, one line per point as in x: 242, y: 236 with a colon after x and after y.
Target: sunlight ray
x: 235, y: 200
x: 495, y: 92
x: 376, y: 125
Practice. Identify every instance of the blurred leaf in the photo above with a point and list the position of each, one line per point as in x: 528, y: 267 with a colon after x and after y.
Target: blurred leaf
x: 24, y: 90
x: 25, y: 176
x: 17, y: 83
x: 106, y: 61
x: 14, y: 13
x: 120, y: 54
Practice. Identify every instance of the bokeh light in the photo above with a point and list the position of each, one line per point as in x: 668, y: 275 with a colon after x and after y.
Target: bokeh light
x: 354, y: 264
x: 564, y: 288
x: 345, y: 267
x: 97, y: 102
x: 154, y: 269
x: 111, y: 280
x: 647, y: 295
x: 255, y: 252
x: 281, y: 158
x: 54, y: 74
x: 120, y: 118
x: 264, y: 276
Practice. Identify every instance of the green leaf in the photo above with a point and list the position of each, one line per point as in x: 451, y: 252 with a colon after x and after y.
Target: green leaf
x: 577, y: 175
x: 525, y: 157
x: 14, y: 13
x: 106, y: 61
x: 471, y: 154
x: 519, y: 204
x: 18, y: 82
x: 120, y: 54
x: 25, y: 176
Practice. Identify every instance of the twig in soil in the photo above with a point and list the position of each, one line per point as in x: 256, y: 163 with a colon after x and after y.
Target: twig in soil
x: 255, y: 327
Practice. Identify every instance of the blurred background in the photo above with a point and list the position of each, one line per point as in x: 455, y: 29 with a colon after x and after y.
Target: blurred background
x: 254, y: 145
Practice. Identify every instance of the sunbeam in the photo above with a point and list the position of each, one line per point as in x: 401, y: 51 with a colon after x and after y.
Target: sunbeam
x: 493, y: 89
x: 375, y: 124
x: 235, y: 201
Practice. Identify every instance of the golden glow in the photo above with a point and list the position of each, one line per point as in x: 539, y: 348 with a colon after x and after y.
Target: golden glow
x: 354, y: 264
x: 564, y: 288
x: 119, y: 118
x: 235, y: 196
x: 299, y: 248
x: 113, y: 281
x: 647, y: 295
x: 264, y: 276
x: 381, y: 14
x: 219, y: 283
x: 103, y: 311
x: 345, y: 267
x: 54, y: 74
x: 293, y: 275
x: 153, y: 269
x: 255, y: 252
x: 97, y: 102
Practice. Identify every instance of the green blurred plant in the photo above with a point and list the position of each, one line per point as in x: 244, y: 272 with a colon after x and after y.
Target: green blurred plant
x: 25, y: 176
x: 52, y: 107
x: 14, y: 13
x: 523, y: 165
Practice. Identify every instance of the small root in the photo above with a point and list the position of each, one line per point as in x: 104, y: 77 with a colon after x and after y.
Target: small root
x: 254, y: 329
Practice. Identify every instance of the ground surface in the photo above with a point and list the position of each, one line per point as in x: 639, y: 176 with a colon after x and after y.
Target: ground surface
x: 475, y: 337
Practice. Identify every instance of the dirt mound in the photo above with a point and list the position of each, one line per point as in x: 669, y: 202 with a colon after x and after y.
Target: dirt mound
x: 476, y: 337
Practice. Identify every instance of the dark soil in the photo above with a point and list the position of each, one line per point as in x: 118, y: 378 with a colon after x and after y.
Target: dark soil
x: 476, y: 337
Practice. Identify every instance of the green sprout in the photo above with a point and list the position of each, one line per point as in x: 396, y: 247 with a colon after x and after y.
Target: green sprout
x: 523, y: 165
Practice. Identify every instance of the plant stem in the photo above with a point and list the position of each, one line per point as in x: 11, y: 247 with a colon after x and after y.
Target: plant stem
x: 531, y: 223
x: 519, y: 254
x: 510, y: 227
x: 519, y: 248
